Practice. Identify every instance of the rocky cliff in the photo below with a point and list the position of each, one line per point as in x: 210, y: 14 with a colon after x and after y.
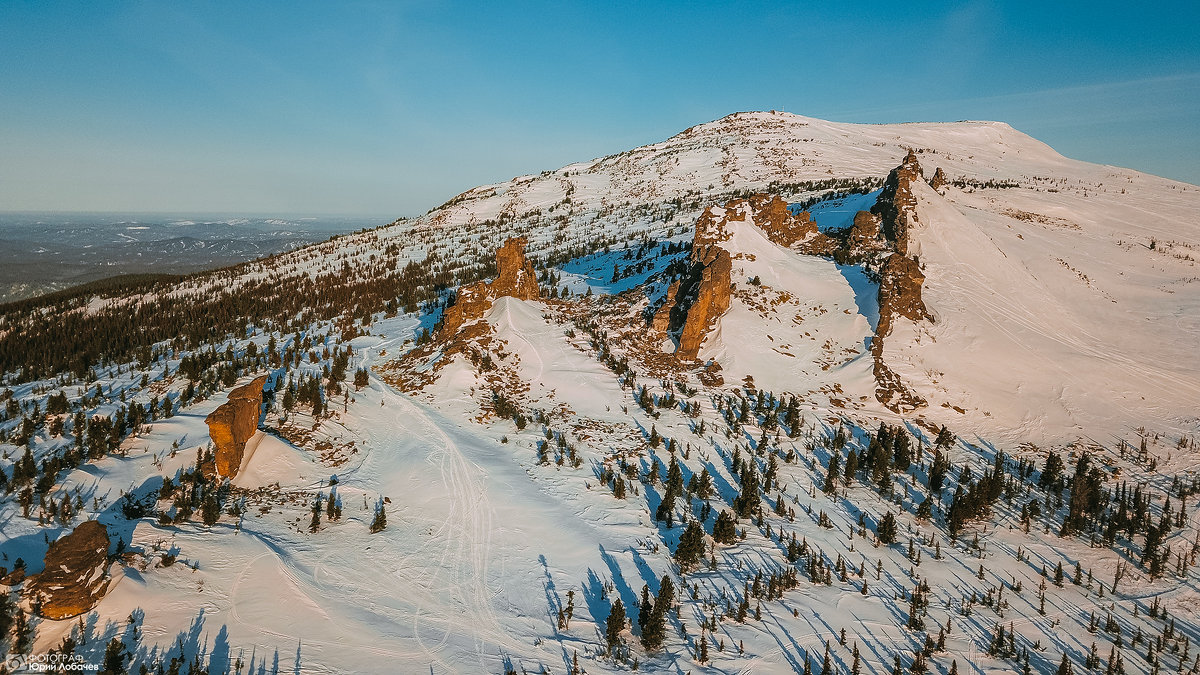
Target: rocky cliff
x: 709, y: 300
x: 939, y: 179
x: 896, y: 204
x: 75, y: 576
x: 900, y: 281
x: 233, y: 423
x: 515, y: 278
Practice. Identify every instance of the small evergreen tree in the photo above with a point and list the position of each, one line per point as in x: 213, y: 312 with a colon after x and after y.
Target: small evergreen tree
x: 115, y: 656
x: 616, y: 624
x: 23, y: 634
x: 691, y: 547
x: 210, y: 510
x: 887, y: 529
x: 725, y: 529
x: 380, y: 521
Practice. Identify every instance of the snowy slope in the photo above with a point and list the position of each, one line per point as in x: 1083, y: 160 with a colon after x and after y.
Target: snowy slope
x: 1057, y: 326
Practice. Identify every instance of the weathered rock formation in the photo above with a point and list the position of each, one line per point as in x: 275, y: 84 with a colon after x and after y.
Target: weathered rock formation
x: 662, y: 316
x: 896, y: 204
x: 75, y: 575
x: 900, y: 281
x: 233, y: 423
x: 516, y: 278
x: 939, y: 179
x: 709, y: 300
x: 694, y: 303
x: 783, y: 227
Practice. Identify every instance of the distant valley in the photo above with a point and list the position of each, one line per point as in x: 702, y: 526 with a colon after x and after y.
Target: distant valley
x: 46, y: 252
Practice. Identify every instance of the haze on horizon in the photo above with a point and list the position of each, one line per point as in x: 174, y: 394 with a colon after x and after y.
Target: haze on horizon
x: 391, y: 108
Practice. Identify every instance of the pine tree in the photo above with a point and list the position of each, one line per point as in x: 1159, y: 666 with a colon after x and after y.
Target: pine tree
x: 831, y: 475
x: 115, y: 656
x: 644, y: 608
x: 1064, y: 666
x: 746, y: 503
x: 315, y: 524
x: 616, y: 624
x: 851, y: 468
x: 655, y: 629
x: 725, y: 529
x: 887, y: 529
x: 210, y: 510
x: 380, y: 521
x: 6, y: 614
x: 691, y: 547
x: 23, y: 634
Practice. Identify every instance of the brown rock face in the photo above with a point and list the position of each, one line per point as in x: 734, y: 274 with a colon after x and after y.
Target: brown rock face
x: 896, y: 202
x: 516, y: 278
x: 233, y: 423
x: 711, y: 301
x: 939, y: 179
x: 782, y: 226
x: 900, y: 281
x: 662, y: 316
x: 471, y: 302
x: 75, y: 575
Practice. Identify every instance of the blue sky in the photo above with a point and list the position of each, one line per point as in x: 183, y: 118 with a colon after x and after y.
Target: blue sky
x: 390, y: 108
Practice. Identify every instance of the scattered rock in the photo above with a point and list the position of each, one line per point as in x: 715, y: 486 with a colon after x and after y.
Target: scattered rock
x: 75, y: 576
x: 233, y: 423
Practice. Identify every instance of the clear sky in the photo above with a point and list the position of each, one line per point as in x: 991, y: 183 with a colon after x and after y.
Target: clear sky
x: 392, y: 107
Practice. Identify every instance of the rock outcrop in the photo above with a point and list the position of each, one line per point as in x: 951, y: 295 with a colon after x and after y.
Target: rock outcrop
x: 896, y: 204
x: 233, y: 423
x: 515, y: 278
x: 780, y: 224
x: 694, y: 303
x: 900, y: 281
x: 662, y: 316
x: 75, y: 576
x: 709, y: 302
x: 939, y: 179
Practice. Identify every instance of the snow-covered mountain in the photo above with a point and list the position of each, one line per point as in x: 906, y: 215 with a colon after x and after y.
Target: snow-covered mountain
x: 724, y: 319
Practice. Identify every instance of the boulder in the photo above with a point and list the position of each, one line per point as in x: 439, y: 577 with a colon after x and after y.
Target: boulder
x: 233, y: 423
x: 515, y: 278
x: 75, y: 576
